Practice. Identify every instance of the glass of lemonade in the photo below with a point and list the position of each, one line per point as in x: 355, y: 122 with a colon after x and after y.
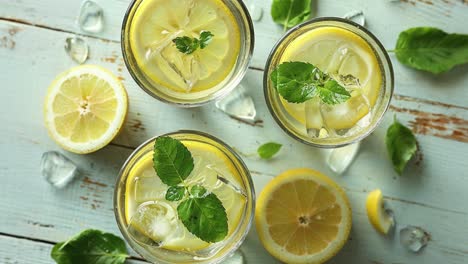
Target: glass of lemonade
x: 187, y: 80
x: 340, y: 48
x: 161, y: 237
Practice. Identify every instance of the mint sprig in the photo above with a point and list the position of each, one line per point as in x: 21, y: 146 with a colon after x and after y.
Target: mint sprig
x: 298, y: 82
x: 202, y: 214
x: 189, y: 45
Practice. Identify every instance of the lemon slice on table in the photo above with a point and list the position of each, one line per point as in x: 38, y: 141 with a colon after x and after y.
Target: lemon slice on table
x: 338, y: 52
x: 380, y: 219
x: 302, y: 216
x: 85, y: 108
x: 157, y: 23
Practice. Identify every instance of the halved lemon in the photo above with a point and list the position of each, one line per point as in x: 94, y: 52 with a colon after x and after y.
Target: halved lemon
x: 85, y: 108
x: 381, y: 220
x: 302, y: 216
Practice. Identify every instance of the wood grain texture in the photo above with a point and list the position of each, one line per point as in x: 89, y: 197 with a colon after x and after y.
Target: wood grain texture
x: 431, y: 194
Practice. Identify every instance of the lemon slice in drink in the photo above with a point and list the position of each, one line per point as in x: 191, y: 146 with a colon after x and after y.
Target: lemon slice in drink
x: 302, y: 216
x: 85, y: 108
x: 381, y: 221
x: 157, y: 22
x: 338, y: 52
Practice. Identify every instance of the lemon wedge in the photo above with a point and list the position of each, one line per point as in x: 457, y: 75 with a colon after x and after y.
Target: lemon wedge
x: 381, y: 221
x: 85, y: 108
x: 302, y: 216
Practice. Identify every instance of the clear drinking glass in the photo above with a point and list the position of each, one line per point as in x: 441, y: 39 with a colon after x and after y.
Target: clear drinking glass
x: 216, y: 252
x: 362, y: 129
x: 192, y: 99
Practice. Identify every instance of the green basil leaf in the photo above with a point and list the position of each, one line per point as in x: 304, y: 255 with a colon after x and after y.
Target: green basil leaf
x: 204, y: 217
x: 401, y: 145
x: 205, y: 38
x: 173, y: 162
x: 431, y: 49
x: 268, y: 150
x: 290, y: 12
x: 197, y: 191
x: 175, y: 193
x: 333, y: 93
x: 91, y: 247
x: 295, y: 81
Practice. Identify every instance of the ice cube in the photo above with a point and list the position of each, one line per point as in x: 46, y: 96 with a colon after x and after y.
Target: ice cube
x: 238, y: 104
x: 356, y: 16
x: 149, y: 188
x: 414, y: 238
x: 256, y: 12
x: 155, y: 223
x: 339, y: 159
x: 236, y: 258
x: 91, y: 17
x: 57, y: 169
x: 77, y: 49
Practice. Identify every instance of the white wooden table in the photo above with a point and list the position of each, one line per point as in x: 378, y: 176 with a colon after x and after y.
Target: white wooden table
x: 34, y: 215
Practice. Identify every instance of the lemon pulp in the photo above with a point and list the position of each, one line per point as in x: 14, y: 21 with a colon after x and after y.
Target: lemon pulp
x: 337, y: 52
x: 302, y: 216
x: 144, y: 186
x: 157, y: 22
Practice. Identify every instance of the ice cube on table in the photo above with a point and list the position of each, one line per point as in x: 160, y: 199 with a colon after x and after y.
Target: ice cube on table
x: 238, y: 104
x: 77, y: 49
x: 414, y: 238
x: 256, y: 12
x: 339, y: 159
x: 57, y: 169
x: 91, y: 17
x: 356, y: 16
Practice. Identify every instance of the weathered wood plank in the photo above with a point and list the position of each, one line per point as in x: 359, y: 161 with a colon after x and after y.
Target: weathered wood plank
x: 15, y: 250
x: 384, y: 18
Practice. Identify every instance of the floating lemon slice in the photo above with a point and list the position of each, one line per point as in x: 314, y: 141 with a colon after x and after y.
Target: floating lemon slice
x: 157, y: 22
x: 302, y: 216
x: 85, y: 108
x: 381, y: 221
x: 338, y: 52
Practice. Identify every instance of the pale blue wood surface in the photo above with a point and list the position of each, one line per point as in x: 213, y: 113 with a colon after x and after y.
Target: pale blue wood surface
x: 432, y: 195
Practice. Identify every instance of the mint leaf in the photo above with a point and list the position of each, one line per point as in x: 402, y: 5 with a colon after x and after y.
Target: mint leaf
x: 205, y: 38
x: 333, y: 93
x: 294, y: 81
x: 298, y: 82
x: 431, y: 49
x: 189, y: 45
x: 268, y: 150
x: 401, y: 145
x: 204, y: 217
x: 175, y: 193
x: 290, y: 12
x: 173, y: 162
x: 186, y: 44
x: 197, y: 191
x: 92, y: 247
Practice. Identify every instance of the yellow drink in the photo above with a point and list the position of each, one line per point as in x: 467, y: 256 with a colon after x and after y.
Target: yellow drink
x: 150, y: 222
x: 354, y: 58
x: 171, y: 75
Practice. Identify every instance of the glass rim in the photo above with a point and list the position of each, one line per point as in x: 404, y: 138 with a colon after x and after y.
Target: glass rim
x: 266, y: 90
x: 217, y: 94
x: 248, y: 180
